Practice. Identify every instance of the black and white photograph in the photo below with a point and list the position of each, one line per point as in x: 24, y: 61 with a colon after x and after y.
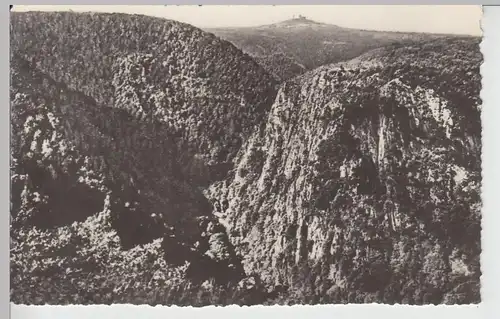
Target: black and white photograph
x: 245, y: 155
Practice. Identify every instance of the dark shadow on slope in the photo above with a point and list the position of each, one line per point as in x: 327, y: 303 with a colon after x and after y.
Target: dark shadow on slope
x: 138, y: 162
x: 204, y: 244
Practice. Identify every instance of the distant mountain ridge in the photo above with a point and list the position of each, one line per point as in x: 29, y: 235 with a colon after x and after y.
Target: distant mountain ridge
x: 294, y: 46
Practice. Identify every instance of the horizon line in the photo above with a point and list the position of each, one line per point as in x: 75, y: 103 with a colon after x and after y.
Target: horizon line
x: 300, y: 17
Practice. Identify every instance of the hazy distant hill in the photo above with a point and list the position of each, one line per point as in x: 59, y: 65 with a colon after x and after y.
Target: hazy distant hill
x: 153, y: 162
x: 294, y: 46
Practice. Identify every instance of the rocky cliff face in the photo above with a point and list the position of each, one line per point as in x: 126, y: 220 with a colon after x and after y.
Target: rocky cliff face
x: 364, y: 183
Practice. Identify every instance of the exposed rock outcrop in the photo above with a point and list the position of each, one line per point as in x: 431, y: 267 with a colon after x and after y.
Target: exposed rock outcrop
x: 368, y: 173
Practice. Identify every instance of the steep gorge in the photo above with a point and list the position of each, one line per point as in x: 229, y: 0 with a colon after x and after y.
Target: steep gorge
x: 184, y: 183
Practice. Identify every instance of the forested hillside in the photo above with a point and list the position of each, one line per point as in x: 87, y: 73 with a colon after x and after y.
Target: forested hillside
x: 152, y: 162
x: 206, y: 88
x: 110, y: 147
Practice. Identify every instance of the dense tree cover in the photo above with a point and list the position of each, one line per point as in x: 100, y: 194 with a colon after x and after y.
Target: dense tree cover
x: 206, y: 88
x: 280, y: 65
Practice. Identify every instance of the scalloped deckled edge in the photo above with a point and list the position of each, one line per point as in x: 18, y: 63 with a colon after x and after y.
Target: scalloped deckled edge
x: 343, y: 310
x: 481, y: 96
x: 490, y: 157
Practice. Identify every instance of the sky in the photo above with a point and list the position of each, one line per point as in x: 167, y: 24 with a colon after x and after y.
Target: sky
x: 452, y: 19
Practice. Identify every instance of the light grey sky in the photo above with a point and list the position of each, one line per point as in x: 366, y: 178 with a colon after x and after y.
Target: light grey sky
x: 454, y: 19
